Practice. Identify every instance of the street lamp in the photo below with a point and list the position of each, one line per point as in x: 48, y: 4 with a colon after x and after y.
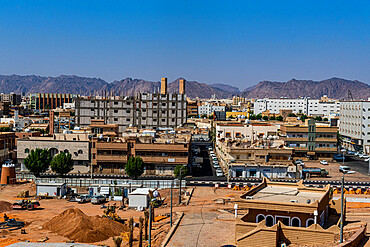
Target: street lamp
x: 180, y: 183
x: 342, y: 205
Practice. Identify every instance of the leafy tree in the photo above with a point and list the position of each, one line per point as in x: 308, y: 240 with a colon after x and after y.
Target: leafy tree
x: 279, y: 118
x: 204, y: 116
x: 318, y: 118
x: 38, y: 161
x: 4, y: 129
x: 272, y: 118
x: 303, y: 117
x: 259, y: 116
x: 326, y: 119
x: 292, y: 115
x: 184, y: 171
x: 62, y: 163
x: 265, y: 118
x: 134, y: 167
x: 252, y: 117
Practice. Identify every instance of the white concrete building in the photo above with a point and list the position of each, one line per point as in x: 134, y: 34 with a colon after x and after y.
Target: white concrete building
x: 354, y: 126
x: 311, y: 107
x: 208, y: 108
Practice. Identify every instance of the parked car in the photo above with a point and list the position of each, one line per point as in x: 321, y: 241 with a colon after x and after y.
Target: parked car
x: 219, y: 174
x: 351, y: 152
x: 83, y: 199
x: 346, y: 169
x: 210, y: 148
x: 365, y: 156
x: 323, y: 162
x: 338, y: 157
x: 216, y: 165
x: 98, y: 199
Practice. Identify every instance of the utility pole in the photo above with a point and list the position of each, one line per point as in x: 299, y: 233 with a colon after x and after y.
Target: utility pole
x: 171, y: 205
x: 150, y: 225
x: 341, y: 211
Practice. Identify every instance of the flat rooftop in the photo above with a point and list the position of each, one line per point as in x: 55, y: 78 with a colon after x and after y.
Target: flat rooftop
x: 278, y: 193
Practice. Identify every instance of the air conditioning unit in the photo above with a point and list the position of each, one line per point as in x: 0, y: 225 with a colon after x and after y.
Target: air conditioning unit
x: 249, y: 197
x: 294, y: 201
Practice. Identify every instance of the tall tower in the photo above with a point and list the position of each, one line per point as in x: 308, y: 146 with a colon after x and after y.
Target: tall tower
x: 182, y: 86
x: 164, y: 85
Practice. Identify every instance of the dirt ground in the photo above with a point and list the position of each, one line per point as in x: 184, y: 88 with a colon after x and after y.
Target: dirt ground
x: 334, y: 174
x: 202, y: 224
x: 52, y: 207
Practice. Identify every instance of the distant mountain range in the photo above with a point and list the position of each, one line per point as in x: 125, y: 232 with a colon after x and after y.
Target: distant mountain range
x: 335, y: 87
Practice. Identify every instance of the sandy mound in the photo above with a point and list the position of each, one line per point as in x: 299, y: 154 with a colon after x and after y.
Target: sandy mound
x: 77, y: 226
x: 5, y: 206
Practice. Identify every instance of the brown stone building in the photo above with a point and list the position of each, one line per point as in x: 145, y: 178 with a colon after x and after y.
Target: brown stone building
x: 160, y: 154
x: 285, y: 212
x: 7, y: 146
x: 311, y: 140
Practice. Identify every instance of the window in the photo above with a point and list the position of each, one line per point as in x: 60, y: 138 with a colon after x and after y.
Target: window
x: 80, y: 151
x: 260, y: 218
x: 173, y: 103
x: 26, y: 150
x: 115, y: 119
x: 269, y: 220
x: 66, y: 151
x: 296, y: 222
x: 115, y: 111
x: 128, y: 111
x: 309, y: 222
x: 115, y: 102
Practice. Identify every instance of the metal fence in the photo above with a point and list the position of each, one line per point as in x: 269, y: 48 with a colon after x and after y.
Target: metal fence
x: 86, y: 182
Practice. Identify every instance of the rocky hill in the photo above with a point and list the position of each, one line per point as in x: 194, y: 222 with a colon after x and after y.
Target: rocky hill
x: 335, y: 88
x: 86, y: 86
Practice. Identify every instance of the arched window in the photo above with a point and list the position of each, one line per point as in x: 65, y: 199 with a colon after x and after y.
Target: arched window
x: 80, y: 151
x: 53, y: 151
x: 309, y: 222
x: 296, y: 222
x: 66, y: 151
x: 260, y: 218
x: 26, y: 150
x: 269, y: 220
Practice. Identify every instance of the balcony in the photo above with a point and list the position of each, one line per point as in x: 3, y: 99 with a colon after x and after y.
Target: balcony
x: 161, y: 147
x: 326, y: 149
x: 175, y: 160
x: 296, y: 139
x: 334, y: 140
x: 112, y: 158
x: 121, y: 146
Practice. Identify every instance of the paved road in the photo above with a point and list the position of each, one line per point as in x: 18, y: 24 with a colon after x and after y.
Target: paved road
x: 357, y: 164
x: 200, y: 227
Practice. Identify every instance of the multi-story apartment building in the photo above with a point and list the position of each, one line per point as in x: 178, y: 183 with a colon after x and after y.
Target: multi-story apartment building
x: 145, y: 110
x: 256, y: 160
x: 161, y: 153
x: 14, y: 99
x: 192, y: 108
x: 311, y: 107
x: 354, y: 125
x: 7, y: 146
x: 312, y: 140
x: 250, y: 131
x: 208, y: 108
x: 50, y: 101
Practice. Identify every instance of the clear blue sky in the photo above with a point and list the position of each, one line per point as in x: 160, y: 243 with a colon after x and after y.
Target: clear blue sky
x: 235, y: 42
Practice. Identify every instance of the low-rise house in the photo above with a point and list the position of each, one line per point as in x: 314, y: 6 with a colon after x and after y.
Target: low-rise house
x: 78, y: 145
x: 286, y: 213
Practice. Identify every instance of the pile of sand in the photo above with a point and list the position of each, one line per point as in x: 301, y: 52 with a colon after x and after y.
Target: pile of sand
x: 5, y: 206
x: 77, y: 226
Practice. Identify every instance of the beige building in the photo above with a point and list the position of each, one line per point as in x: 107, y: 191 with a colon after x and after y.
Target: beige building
x: 250, y: 131
x: 287, y: 213
x: 78, y: 145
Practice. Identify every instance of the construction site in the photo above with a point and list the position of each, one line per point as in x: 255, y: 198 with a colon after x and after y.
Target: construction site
x: 207, y: 216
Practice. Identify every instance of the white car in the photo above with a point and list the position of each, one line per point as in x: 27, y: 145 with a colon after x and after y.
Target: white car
x: 219, y: 174
x: 323, y: 162
x: 216, y: 165
x: 365, y: 156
